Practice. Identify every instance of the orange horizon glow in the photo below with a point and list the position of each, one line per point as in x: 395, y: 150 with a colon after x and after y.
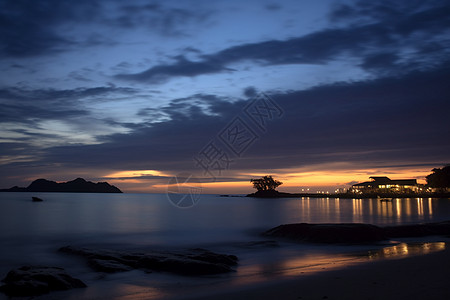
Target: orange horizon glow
x: 135, y: 173
x: 293, y: 181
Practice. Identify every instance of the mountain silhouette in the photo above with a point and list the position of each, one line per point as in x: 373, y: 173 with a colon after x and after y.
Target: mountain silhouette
x: 78, y: 185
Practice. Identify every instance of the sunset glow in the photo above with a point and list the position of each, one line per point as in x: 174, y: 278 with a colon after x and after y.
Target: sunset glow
x: 135, y: 173
x: 138, y: 180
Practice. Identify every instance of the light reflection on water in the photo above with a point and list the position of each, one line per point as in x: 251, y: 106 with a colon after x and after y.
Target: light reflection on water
x: 374, y: 211
x: 313, y: 263
x: 407, y: 249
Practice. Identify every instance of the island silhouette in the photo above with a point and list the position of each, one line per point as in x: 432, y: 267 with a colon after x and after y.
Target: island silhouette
x: 266, y: 188
x: 78, y: 185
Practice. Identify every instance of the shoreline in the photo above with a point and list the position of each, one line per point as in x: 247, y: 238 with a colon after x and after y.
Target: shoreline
x: 276, y: 194
x: 415, y: 277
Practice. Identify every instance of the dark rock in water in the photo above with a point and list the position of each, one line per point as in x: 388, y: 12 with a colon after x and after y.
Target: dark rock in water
x: 189, y: 262
x: 36, y: 199
x: 329, y: 233
x: 107, y: 265
x: 38, y: 280
x: 259, y: 244
x: 355, y: 233
x: 417, y: 230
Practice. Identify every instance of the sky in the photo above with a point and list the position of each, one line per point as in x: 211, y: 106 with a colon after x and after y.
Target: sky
x: 320, y: 94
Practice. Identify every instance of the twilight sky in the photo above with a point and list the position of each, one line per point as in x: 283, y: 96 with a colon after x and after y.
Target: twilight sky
x: 134, y: 92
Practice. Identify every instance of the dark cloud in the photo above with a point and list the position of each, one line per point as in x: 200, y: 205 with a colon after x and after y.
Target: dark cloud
x: 192, y: 49
x: 399, y: 118
x: 386, y: 122
x: 29, y: 106
x: 387, y: 11
x: 17, y: 113
x: 250, y: 92
x: 52, y: 96
x: 183, y: 67
x: 18, y: 149
x: 273, y: 6
x: 156, y: 17
x: 391, y: 119
x: 29, y: 28
x: 380, y: 61
x: 376, y: 43
x: 195, y: 106
x: 42, y: 27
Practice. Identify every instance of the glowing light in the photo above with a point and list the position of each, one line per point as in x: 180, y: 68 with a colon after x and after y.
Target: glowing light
x: 403, y: 249
x: 136, y: 173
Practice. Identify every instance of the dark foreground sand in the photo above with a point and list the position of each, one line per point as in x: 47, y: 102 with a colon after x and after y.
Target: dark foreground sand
x: 419, y: 277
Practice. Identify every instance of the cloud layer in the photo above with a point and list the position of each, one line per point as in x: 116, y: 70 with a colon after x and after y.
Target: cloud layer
x: 386, y: 122
x: 391, y: 30
x: 95, y: 88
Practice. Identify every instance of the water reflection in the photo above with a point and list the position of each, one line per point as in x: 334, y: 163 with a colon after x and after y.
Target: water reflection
x: 357, y: 210
x: 372, y: 211
x: 118, y: 289
x: 291, y: 266
x: 295, y: 265
x: 404, y: 249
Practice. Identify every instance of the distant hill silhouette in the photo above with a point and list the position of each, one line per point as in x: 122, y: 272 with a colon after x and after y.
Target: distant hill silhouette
x: 78, y: 185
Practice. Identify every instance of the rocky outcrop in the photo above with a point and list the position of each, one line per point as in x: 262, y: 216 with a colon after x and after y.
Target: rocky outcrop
x: 190, y: 262
x: 258, y: 244
x: 78, y: 185
x: 38, y: 280
x: 329, y: 233
x: 418, y: 230
x: 355, y: 233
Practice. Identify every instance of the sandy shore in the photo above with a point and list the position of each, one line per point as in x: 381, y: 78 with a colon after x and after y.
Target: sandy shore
x: 417, y: 277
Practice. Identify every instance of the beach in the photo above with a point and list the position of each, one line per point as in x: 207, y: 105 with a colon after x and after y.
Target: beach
x: 416, y: 277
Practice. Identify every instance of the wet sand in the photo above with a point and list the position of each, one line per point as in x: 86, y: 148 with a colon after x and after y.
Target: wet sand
x: 418, y: 277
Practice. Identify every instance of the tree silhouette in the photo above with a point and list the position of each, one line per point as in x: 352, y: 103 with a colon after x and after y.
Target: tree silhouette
x: 440, y: 178
x: 265, y: 183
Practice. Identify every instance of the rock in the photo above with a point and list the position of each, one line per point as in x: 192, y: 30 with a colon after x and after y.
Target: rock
x: 189, y: 262
x: 355, y: 233
x: 36, y: 199
x: 329, y: 233
x: 211, y: 257
x: 107, y: 265
x: 259, y: 244
x: 38, y: 280
x: 417, y: 230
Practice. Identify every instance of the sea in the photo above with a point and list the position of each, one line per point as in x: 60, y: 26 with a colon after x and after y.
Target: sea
x: 32, y: 232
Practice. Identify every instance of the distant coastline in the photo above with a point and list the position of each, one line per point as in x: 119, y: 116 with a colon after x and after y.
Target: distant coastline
x: 276, y: 194
x: 78, y: 185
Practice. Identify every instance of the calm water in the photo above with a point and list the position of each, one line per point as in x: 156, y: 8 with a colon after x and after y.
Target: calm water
x: 32, y: 232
